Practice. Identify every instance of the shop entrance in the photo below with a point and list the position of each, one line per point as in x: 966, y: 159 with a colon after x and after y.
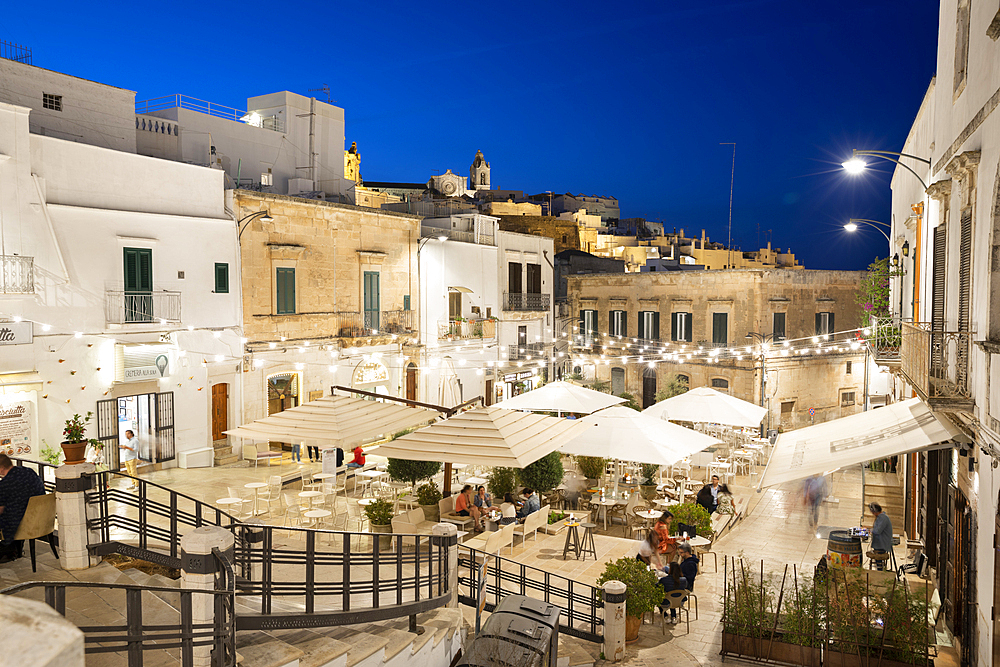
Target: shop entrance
x: 220, y: 410
x: 648, y: 387
x: 282, y: 392
x: 149, y: 416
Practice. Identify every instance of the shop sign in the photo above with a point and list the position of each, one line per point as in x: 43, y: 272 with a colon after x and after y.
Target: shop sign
x: 370, y: 372
x: 15, y: 427
x: 15, y: 333
x: 517, y: 377
x: 159, y: 369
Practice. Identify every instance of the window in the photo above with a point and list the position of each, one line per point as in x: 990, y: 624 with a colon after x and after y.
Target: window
x: 588, y: 326
x: 618, y: 320
x: 534, y: 278
x: 617, y: 381
x: 221, y: 278
x: 846, y: 398
x: 720, y: 329
x: 373, y: 299
x: 824, y: 324
x: 522, y: 336
x: 778, y: 326
x: 284, y: 288
x: 680, y: 327
x: 649, y: 325
x: 454, y: 305
x: 514, y: 277
x: 406, y: 302
x: 848, y: 367
x: 720, y: 383
x: 51, y: 102
x: 786, y: 409
x: 138, y: 285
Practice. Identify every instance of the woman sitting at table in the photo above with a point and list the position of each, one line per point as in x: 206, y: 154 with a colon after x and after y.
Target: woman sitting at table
x: 725, y: 501
x: 508, y: 510
x: 674, y: 581
x: 667, y: 545
x: 483, y: 500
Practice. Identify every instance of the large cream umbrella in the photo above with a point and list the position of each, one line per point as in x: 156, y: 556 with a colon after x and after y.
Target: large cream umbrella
x: 486, y: 436
x: 561, y: 397
x: 706, y: 405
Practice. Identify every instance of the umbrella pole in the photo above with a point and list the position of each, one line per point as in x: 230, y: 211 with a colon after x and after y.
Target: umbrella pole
x: 446, y: 486
x: 617, y: 471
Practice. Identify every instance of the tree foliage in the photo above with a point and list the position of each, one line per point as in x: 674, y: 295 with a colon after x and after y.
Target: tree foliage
x: 500, y: 481
x: 404, y: 470
x: 873, y: 292
x: 643, y: 592
x: 543, y: 475
x: 675, y: 386
x: 630, y: 401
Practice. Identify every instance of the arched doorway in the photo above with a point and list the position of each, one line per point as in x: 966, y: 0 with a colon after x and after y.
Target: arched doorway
x: 648, y: 386
x: 411, y: 381
x: 282, y: 392
x: 617, y: 381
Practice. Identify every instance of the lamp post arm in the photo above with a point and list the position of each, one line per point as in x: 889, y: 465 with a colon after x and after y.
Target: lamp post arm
x: 890, y: 159
x: 248, y: 219
x: 880, y: 230
x: 884, y: 153
x: 874, y: 222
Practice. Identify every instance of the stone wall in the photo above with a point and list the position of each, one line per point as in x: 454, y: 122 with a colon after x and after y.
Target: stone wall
x: 565, y: 234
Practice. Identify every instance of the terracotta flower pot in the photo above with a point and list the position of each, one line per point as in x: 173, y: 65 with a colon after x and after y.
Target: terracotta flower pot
x: 632, y: 625
x: 74, y: 452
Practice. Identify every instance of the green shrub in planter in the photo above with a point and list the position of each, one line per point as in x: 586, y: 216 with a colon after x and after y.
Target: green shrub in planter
x: 644, y: 592
x: 591, y: 467
x: 649, y: 471
x: 379, y: 512
x: 428, y: 494
x: 692, y: 514
x: 404, y: 470
x: 543, y: 475
x: 501, y: 481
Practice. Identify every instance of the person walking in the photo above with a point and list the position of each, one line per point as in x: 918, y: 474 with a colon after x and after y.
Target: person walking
x: 130, y: 457
x: 708, y: 497
x: 881, y: 533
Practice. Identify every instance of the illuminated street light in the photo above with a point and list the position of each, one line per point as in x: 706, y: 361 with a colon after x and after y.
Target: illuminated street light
x: 854, y: 165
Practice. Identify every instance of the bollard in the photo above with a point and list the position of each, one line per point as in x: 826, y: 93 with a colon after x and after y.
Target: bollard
x: 36, y: 634
x: 446, y: 534
x: 198, y: 570
x: 614, y: 621
x: 72, y: 484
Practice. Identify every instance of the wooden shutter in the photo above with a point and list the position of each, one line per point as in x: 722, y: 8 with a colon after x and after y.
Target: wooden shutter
x: 285, y: 289
x: 778, y: 326
x: 656, y: 326
x: 964, y: 294
x: 674, y: 326
x: 720, y: 329
x: 938, y: 280
x: 688, y: 327
x: 138, y: 270
x: 514, y: 277
x: 534, y: 278
x: 831, y: 327
x: 819, y: 324
x: 222, y: 278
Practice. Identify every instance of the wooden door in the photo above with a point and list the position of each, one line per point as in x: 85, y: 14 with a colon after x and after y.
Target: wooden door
x: 489, y: 392
x: 648, y: 387
x: 220, y: 410
x: 411, y: 382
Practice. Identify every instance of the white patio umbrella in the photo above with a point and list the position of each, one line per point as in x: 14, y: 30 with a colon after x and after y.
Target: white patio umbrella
x: 707, y: 405
x: 561, y: 397
x: 626, y: 435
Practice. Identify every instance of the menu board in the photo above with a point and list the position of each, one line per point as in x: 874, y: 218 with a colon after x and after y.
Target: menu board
x: 15, y: 427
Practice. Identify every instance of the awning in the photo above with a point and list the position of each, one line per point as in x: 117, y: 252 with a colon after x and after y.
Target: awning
x: 335, y: 420
x: 486, y: 436
x: 899, y: 428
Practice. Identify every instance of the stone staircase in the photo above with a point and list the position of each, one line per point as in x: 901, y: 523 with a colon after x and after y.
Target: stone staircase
x: 883, y: 488
x: 224, y: 454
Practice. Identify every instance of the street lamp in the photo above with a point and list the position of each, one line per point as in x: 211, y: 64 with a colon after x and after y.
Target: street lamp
x: 765, y: 342
x: 264, y: 215
x: 852, y: 226
x: 856, y: 165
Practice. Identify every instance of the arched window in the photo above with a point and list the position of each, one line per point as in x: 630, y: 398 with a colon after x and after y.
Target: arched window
x: 720, y: 383
x: 684, y: 378
x: 482, y: 178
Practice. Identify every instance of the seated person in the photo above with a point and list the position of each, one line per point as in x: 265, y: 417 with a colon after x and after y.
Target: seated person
x: 17, y: 485
x: 675, y: 580
x: 726, y: 504
x: 508, y: 510
x: 531, y: 504
x: 359, y: 458
x: 483, y: 501
x: 465, y: 507
x: 689, y: 564
x: 708, y: 497
x: 667, y: 545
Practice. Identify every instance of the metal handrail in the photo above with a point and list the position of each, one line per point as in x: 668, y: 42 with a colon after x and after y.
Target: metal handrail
x: 579, y: 601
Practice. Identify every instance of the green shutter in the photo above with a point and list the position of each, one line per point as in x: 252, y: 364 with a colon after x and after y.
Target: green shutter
x: 139, y: 270
x: 284, y: 279
x: 720, y: 329
x: 688, y: 328
x: 674, y: 317
x: 222, y: 278
x: 656, y: 326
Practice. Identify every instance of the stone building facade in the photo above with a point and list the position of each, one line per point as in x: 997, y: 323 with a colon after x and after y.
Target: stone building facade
x: 636, y: 330
x: 330, y: 298
x: 565, y: 233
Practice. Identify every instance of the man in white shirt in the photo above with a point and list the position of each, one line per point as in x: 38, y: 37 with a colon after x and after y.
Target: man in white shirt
x: 129, y: 454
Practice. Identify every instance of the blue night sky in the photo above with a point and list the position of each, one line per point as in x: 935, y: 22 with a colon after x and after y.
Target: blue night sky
x: 624, y: 99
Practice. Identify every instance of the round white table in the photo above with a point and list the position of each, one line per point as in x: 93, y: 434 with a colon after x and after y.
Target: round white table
x: 605, y: 504
x: 475, y: 481
x: 698, y: 541
x: 659, y: 502
x: 316, y: 514
x: 310, y: 495
x: 324, y: 475
x: 370, y: 476
x: 226, y: 502
x: 256, y: 486
x: 649, y: 514
x: 365, y: 502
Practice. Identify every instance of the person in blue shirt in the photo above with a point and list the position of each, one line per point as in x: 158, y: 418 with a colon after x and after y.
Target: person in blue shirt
x: 689, y: 564
x: 531, y: 504
x: 17, y: 486
x: 881, y: 533
x: 675, y: 580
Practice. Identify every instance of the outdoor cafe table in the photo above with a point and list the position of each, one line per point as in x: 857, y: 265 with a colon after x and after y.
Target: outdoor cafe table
x: 226, y: 502
x: 324, y: 475
x: 317, y: 514
x: 664, y: 504
x: 310, y: 495
x: 605, y: 504
x: 256, y: 486
x: 475, y: 481
x: 698, y: 541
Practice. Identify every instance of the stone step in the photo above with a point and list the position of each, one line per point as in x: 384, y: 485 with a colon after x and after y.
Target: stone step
x: 219, y: 444
x: 226, y: 460
x: 317, y: 649
x: 261, y: 649
x: 364, y: 648
x: 223, y: 451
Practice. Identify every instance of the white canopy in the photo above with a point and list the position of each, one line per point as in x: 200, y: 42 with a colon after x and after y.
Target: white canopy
x: 898, y: 428
x: 561, y: 397
x: 486, y: 436
x: 622, y: 433
x: 708, y: 406
x: 335, y: 420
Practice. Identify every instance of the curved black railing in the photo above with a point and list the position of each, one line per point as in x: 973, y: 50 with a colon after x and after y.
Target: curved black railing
x: 135, y: 636
x: 39, y: 468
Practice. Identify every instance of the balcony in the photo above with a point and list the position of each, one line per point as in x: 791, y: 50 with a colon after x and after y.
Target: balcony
x: 467, y: 329
x: 373, y: 323
x: 482, y: 237
x: 936, y: 364
x: 885, y: 339
x: 17, y: 274
x: 526, y: 302
x: 121, y: 307
x: 526, y: 352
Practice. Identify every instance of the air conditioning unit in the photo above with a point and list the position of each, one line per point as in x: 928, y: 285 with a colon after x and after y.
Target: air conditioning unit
x: 267, y: 179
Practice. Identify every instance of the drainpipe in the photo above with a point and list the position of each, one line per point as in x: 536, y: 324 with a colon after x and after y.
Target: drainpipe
x: 918, y: 209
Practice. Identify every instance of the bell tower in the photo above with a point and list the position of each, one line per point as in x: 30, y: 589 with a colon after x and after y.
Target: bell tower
x: 479, y: 173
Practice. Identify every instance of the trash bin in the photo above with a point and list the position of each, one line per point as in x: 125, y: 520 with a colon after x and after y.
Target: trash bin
x: 521, y: 632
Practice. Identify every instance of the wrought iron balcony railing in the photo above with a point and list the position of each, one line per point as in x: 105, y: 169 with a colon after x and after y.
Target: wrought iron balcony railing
x: 527, y: 351
x: 467, y: 329
x: 885, y: 338
x: 121, y: 307
x: 936, y: 364
x: 522, y: 301
x: 373, y: 323
x: 17, y: 274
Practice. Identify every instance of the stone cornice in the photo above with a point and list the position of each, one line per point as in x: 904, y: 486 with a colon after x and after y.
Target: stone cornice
x: 940, y: 190
x: 963, y: 165
x: 371, y: 256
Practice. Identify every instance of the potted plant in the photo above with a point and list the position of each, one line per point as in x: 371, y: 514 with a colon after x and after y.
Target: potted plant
x: 428, y: 496
x: 692, y: 514
x: 50, y: 455
x: 592, y: 467
x: 543, y: 475
x: 75, y: 445
x: 647, y: 486
x: 500, y: 481
x: 380, y: 515
x: 643, y: 593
